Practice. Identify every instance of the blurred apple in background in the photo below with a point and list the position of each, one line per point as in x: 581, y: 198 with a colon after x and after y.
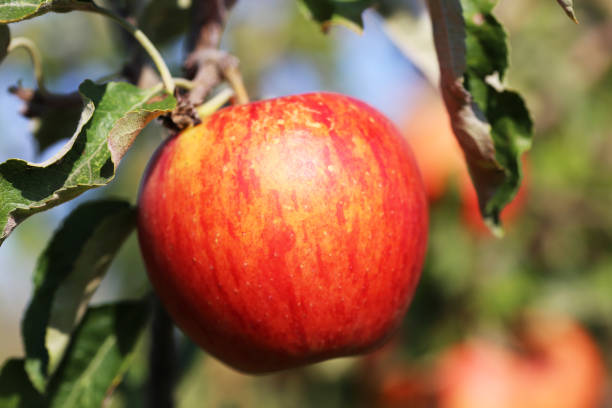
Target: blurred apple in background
x: 557, y: 365
x: 441, y: 161
x: 406, y: 387
x: 390, y: 381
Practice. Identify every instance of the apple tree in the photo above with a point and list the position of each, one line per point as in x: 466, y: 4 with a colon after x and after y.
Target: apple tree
x: 76, y: 354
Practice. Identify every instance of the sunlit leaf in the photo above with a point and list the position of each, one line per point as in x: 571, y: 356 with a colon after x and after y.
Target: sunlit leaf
x: 99, y: 353
x: 15, y: 10
x: 114, y: 114
x: 67, y: 274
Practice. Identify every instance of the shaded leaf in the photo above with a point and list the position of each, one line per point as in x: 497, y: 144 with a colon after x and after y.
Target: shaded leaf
x: 99, y: 354
x: 113, y: 116
x: 344, y: 12
x: 568, y: 7
x: 16, y: 390
x: 5, y: 40
x: 53, y: 115
x: 54, y: 124
x: 67, y: 274
x: 491, y: 124
x: 164, y: 20
x: 17, y: 10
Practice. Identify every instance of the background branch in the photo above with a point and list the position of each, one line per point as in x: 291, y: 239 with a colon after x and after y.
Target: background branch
x: 162, y: 367
x: 204, y: 62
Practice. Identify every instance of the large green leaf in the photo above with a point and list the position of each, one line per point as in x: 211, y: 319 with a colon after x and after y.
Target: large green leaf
x: 114, y: 114
x: 492, y: 124
x: 99, y: 353
x: 328, y: 12
x: 17, y: 10
x: 5, y: 40
x: 16, y: 391
x: 66, y: 276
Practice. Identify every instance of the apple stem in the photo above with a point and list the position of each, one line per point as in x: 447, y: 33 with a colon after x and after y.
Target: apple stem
x: 184, y: 83
x: 234, y: 77
x: 144, y: 41
x: 213, y: 104
x: 35, y: 55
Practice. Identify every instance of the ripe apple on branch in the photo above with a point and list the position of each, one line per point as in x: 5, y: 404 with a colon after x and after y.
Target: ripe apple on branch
x: 276, y: 233
x: 285, y: 231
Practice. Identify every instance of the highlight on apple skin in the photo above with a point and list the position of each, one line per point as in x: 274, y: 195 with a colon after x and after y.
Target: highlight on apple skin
x: 285, y: 232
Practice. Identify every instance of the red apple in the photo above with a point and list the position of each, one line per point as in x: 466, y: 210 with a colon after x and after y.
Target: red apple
x: 286, y: 231
x: 557, y: 366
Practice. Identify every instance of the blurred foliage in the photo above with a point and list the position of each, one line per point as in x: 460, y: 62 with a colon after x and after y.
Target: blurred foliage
x: 556, y: 256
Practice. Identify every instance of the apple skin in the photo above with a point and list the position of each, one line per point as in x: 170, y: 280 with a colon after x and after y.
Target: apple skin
x: 285, y: 232
x: 558, y: 365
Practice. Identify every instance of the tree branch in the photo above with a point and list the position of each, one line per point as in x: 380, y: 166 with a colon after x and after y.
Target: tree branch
x: 205, y: 62
x: 162, y: 367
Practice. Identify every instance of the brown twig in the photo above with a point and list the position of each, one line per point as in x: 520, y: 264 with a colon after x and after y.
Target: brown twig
x: 206, y: 65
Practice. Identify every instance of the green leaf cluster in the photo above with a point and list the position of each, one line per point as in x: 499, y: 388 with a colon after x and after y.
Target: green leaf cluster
x: 114, y: 114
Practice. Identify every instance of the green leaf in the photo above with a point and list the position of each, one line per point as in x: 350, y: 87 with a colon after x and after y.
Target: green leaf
x: 99, y: 353
x: 16, y: 10
x: 344, y: 12
x: 16, y: 391
x: 5, y: 40
x: 568, y: 7
x: 67, y: 274
x: 492, y: 124
x: 114, y: 114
